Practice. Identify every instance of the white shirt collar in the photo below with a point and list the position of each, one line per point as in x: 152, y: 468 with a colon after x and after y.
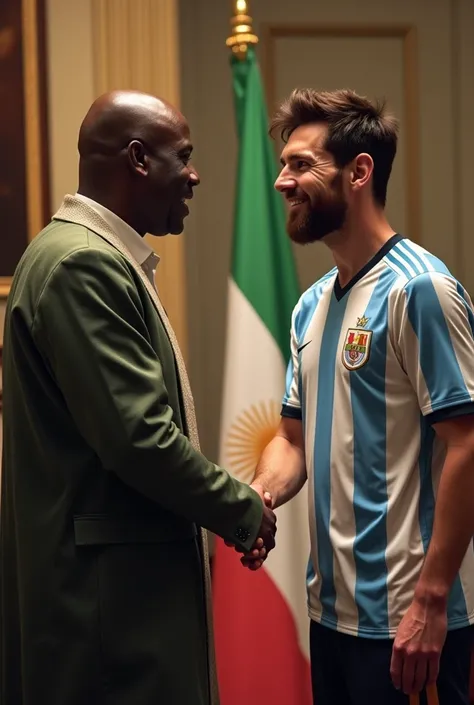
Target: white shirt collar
x: 140, y: 250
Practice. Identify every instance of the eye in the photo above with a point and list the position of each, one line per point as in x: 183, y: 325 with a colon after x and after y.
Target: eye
x: 185, y: 158
x: 301, y: 165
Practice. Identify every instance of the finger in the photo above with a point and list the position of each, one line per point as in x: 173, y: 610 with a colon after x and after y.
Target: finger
x: 432, y: 694
x: 432, y: 670
x: 267, y: 498
x: 396, y: 666
x: 248, y: 558
x: 251, y: 563
x: 420, y: 673
x: 408, y: 674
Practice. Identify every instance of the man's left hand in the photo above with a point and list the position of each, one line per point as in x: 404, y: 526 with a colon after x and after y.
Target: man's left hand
x: 418, y: 644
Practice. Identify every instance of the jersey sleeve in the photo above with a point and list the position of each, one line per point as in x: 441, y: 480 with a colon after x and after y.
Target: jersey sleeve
x: 291, y: 406
x: 436, y: 344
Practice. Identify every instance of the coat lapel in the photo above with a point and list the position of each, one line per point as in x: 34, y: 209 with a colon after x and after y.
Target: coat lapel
x: 74, y: 210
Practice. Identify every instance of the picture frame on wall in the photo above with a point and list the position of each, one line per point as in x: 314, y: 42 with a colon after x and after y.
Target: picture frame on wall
x: 24, y: 181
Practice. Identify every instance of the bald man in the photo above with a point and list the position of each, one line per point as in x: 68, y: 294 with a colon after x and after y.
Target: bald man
x: 104, y: 571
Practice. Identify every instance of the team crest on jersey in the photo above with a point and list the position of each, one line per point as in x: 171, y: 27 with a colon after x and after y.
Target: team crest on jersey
x: 357, y: 342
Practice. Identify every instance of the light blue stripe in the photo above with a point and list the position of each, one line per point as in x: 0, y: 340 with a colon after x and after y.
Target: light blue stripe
x: 457, y: 609
x: 369, y: 413
x: 309, y: 304
x: 405, y: 245
x: 438, y: 360
x: 303, y: 318
x: 329, y: 355
x: 290, y: 370
x: 437, y: 264
x: 396, y: 263
x: 469, y: 312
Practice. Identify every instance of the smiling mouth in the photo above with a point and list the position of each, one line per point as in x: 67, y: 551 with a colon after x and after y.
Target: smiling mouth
x: 297, y: 202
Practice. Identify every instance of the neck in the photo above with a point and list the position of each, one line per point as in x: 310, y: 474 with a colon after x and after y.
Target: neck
x: 357, y: 242
x: 117, y: 206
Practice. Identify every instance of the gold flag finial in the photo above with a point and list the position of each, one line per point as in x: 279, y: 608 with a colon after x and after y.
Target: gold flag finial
x: 242, y: 34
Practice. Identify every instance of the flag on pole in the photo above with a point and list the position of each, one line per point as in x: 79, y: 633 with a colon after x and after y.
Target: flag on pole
x: 260, y: 618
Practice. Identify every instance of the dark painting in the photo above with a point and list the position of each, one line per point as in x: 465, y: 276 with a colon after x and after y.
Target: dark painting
x: 23, y: 130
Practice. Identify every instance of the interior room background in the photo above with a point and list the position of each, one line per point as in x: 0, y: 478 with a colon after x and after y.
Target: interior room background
x: 416, y: 54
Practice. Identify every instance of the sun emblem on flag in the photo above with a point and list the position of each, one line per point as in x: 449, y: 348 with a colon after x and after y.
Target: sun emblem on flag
x: 253, y: 429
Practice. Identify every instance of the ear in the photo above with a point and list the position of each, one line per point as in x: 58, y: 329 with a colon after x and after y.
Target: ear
x: 137, y: 156
x: 361, y: 171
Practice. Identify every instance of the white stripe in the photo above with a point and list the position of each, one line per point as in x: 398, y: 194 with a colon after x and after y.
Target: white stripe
x: 403, y: 487
x: 421, y: 252
x: 403, y: 261
x: 410, y: 255
x: 410, y: 352
x: 255, y: 374
x: 394, y: 267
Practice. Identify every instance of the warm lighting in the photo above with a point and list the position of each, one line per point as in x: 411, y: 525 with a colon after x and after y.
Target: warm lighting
x: 242, y: 34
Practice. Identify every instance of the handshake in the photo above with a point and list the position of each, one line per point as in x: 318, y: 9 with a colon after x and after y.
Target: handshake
x: 265, y: 542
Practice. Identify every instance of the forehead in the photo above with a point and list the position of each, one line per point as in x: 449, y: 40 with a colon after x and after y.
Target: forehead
x: 173, y: 132
x: 306, y: 138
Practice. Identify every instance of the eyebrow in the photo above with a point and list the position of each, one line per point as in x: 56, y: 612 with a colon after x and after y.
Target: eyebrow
x: 293, y: 156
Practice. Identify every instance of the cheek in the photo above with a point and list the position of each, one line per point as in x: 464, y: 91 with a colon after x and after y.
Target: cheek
x: 314, y: 184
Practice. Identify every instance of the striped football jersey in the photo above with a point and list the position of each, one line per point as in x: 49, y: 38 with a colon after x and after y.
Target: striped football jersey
x: 373, y: 366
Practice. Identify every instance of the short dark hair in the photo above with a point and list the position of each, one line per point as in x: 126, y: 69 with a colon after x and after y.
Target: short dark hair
x: 355, y: 125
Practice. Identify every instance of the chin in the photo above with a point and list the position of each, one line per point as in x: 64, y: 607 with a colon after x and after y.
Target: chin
x: 176, y: 230
x: 169, y: 229
x: 302, y: 234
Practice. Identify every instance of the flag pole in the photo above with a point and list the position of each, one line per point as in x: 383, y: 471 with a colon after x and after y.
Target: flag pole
x: 242, y: 34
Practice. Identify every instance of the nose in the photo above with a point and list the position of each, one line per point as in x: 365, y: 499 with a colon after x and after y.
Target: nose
x: 194, y: 177
x: 285, y: 181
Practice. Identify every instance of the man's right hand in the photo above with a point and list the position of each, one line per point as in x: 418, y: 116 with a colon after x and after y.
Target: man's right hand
x: 268, y: 527
x: 266, y: 535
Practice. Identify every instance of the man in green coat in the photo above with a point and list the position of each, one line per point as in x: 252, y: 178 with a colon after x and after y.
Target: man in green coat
x: 104, y: 566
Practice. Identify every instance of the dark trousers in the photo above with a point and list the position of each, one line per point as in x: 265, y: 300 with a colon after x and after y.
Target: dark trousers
x: 348, y: 670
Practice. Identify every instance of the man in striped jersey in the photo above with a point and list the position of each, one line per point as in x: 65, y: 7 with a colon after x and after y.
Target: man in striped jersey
x: 378, y: 415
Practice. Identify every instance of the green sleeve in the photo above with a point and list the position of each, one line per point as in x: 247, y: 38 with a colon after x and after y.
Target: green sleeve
x: 89, y: 324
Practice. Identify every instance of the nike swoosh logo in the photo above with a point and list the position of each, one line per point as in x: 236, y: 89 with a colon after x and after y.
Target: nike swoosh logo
x: 303, y: 346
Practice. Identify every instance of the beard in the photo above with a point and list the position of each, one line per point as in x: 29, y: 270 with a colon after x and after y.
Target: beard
x: 315, y: 221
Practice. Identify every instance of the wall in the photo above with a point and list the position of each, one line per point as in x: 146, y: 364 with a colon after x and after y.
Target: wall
x: 70, y: 86
x: 70, y: 92
x: 446, y: 57
x: 418, y: 53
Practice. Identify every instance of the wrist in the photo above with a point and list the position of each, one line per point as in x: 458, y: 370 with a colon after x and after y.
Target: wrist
x: 432, y: 595
x: 258, y: 488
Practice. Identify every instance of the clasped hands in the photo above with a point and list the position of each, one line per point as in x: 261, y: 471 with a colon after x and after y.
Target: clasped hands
x: 265, y: 542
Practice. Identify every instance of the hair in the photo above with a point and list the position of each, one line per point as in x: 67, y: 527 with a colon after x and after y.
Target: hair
x: 355, y: 125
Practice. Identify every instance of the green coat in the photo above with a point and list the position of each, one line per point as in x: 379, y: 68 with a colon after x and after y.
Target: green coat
x: 102, y: 590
